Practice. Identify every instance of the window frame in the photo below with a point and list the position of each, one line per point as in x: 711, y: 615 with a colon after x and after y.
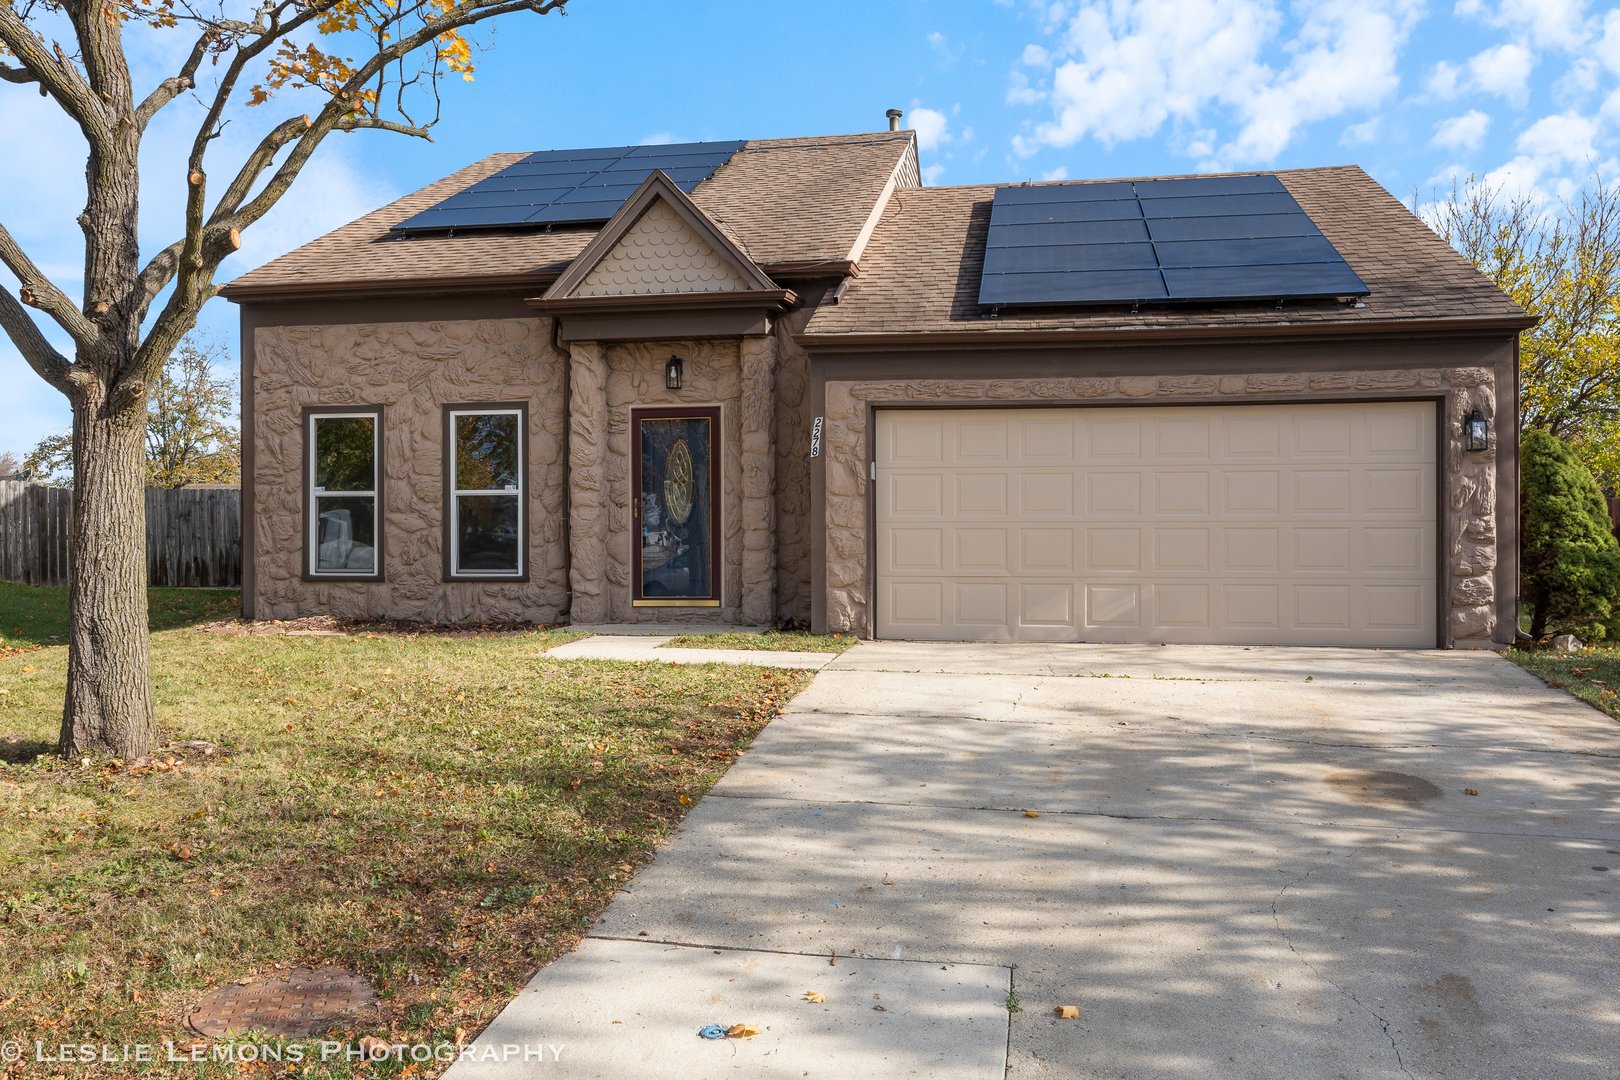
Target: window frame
x: 452, y: 494
x: 311, y: 522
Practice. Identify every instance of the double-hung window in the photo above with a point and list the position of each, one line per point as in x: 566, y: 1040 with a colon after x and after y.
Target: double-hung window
x: 343, y: 537
x: 486, y: 524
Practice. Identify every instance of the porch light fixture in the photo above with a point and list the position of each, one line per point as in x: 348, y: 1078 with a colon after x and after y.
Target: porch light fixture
x: 672, y: 373
x: 1476, y: 431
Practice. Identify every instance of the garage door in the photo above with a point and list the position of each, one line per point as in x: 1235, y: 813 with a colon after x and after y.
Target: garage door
x: 1252, y: 524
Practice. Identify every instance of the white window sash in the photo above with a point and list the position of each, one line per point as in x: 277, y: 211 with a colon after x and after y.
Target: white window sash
x: 313, y: 539
x: 516, y: 491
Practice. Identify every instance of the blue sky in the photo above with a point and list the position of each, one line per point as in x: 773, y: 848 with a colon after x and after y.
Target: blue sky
x: 1523, y: 92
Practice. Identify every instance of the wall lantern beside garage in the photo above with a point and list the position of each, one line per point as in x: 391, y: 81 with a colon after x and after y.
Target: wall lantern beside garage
x: 1476, y: 431
x: 672, y: 373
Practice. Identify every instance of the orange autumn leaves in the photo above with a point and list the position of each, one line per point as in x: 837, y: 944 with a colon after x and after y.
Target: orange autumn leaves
x: 379, y: 21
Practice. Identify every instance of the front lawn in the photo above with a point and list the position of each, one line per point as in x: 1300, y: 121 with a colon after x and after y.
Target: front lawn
x: 1592, y: 674
x: 781, y: 640
x: 31, y: 616
x: 443, y: 814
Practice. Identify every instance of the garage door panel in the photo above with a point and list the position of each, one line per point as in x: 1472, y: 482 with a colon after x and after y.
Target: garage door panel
x: 1046, y: 493
x: 1046, y: 550
x: 1177, y: 493
x: 1305, y: 524
x: 1044, y: 441
x: 1251, y: 491
x: 1113, y: 494
x: 1112, y: 551
x: 981, y: 551
x: 914, y: 495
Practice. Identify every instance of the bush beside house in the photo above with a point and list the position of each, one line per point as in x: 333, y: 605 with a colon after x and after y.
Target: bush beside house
x: 1569, y: 560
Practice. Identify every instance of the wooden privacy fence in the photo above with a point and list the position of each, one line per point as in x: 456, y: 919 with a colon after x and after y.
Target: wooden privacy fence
x: 193, y: 535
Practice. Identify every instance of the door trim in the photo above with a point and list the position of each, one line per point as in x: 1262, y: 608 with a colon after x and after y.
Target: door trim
x: 710, y: 413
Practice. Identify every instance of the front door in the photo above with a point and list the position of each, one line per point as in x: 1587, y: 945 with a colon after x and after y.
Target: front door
x: 676, y: 506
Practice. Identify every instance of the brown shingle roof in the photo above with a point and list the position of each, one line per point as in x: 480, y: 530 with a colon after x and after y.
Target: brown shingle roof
x: 920, y: 273
x: 787, y: 202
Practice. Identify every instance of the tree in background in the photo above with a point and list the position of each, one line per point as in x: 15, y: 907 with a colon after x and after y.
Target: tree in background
x: 345, y: 65
x: 10, y: 465
x: 1561, y: 264
x: 1569, y: 558
x: 191, y: 437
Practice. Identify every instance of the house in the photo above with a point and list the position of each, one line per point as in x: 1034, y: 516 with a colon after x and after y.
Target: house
x: 782, y: 380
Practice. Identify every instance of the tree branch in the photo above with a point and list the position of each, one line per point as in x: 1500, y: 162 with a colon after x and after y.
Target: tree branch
x: 39, y: 292
x: 18, y: 75
x: 54, y: 74
x: 51, y: 365
x: 172, y: 87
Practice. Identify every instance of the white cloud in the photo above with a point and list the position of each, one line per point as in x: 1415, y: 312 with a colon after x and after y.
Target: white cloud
x: 1565, y: 138
x: 932, y: 127
x: 1465, y: 132
x: 1607, y: 45
x: 661, y: 138
x: 1125, y: 69
x: 1445, y: 80
x: 1362, y: 134
x: 1059, y: 173
x: 1020, y: 91
x: 931, y: 174
x: 1559, y: 24
x: 1503, y: 70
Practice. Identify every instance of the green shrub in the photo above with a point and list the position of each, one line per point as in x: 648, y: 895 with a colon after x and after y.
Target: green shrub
x: 1570, y: 561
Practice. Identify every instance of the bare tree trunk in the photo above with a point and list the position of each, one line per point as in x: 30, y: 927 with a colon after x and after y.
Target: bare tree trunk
x: 109, y: 689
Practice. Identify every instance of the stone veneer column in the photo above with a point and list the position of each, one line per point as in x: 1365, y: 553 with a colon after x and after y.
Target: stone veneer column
x: 587, y: 481
x: 758, y: 362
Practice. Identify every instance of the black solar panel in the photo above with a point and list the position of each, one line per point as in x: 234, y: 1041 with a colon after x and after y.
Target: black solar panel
x: 1155, y: 241
x: 569, y: 187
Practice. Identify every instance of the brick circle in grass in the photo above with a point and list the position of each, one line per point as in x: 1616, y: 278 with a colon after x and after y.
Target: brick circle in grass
x: 292, y: 1004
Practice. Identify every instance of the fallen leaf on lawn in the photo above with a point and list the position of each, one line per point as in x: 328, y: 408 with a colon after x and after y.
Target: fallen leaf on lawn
x: 1469, y: 791
x: 373, y: 1047
x: 686, y: 800
x: 461, y: 1036
x: 814, y: 998
x: 28, y: 669
x: 741, y: 1031
x: 1067, y: 1012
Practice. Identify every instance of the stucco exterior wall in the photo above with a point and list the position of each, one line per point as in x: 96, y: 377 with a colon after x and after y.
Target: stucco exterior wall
x: 412, y: 369
x: 1469, y: 512
x: 793, y: 516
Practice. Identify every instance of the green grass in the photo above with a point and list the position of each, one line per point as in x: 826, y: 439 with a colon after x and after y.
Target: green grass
x: 781, y: 640
x: 1592, y: 674
x: 31, y: 616
x: 443, y: 814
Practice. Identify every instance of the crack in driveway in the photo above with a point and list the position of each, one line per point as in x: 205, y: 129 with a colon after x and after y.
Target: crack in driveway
x: 1276, y: 919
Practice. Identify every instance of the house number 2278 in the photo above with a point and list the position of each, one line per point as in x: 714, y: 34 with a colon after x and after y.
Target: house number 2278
x: 815, y: 438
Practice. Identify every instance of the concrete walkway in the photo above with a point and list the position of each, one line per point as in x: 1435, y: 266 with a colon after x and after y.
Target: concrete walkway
x: 644, y: 647
x: 1237, y: 862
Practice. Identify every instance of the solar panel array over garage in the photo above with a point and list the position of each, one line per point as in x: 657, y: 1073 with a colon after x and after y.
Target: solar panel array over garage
x: 569, y: 187
x: 1144, y: 241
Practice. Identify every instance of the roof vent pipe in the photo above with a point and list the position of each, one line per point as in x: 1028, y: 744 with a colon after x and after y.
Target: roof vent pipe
x: 894, y: 116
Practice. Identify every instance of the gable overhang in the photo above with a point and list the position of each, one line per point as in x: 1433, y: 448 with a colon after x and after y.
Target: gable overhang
x: 666, y: 315
x: 645, y: 316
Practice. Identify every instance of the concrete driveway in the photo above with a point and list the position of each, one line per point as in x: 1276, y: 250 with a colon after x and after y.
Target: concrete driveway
x: 1236, y: 862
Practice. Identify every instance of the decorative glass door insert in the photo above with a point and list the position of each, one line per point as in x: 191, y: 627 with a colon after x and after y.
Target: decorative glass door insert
x: 676, y: 507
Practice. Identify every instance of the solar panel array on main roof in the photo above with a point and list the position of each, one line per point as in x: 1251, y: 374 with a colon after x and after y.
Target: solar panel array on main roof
x: 569, y: 187
x: 1145, y: 241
